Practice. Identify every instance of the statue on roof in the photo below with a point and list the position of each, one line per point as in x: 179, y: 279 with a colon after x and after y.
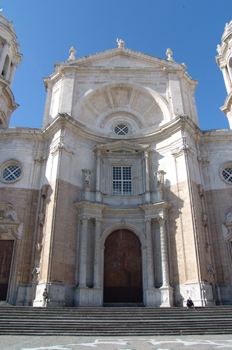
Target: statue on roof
x: 72, y: 52
x: 120, y: 42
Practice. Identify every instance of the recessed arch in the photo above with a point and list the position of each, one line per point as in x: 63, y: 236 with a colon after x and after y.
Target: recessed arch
x: 144, y: 106
x: 123, y: 268
x: 123, y: 225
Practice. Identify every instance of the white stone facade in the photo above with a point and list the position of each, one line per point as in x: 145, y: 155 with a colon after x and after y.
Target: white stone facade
x: 120, y: 151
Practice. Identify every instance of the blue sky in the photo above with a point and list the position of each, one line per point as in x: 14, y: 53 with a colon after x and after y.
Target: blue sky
x: 46, y: 30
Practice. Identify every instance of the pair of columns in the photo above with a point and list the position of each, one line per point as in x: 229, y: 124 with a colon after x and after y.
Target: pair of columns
x: 2, y: 62
x: 11, y: 66
x: 164, y: 254
x: 83, y: 253
x: 150, y: 257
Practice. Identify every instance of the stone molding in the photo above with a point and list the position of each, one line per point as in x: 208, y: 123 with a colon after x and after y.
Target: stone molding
x: 179, y: 151
x: 106, y: 231
x: 62, y: 147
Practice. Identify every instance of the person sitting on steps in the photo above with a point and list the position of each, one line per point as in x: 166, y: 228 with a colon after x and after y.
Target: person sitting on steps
x: 190, y: 304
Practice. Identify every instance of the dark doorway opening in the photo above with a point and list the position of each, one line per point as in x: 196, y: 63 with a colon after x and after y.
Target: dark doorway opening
x: 123, y: 268
x: 6, y: 251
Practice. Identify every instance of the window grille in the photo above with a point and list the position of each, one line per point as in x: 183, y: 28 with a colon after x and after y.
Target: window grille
x: 121, y: 129
x: 11, y: 173
x: 227, y: 174
x: 122, y: 184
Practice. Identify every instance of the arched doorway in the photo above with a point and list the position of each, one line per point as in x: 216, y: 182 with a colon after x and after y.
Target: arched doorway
x: 122, y: 268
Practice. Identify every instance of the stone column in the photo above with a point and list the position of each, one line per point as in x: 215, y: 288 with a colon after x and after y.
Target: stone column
x: 12, y: 73
x: 47, y: 117
x: 150, y: 260
x: 164, y: 253
x: 98, y: 177
x: 147, y: 178
x: 96, y: 268
x: 3, y: 55
x: 83, y: 252
x: 226, y: 78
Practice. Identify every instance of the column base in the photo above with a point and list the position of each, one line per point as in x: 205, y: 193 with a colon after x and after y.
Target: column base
x: 88, y: 297
x: 98, y: 197
x: 56, y: 295
x: 159, y: 297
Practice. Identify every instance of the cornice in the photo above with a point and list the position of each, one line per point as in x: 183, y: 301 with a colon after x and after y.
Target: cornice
x: 64, y: 120
x: 227, y: 105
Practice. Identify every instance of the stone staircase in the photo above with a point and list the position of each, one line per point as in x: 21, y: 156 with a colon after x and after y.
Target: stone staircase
x: 118, y: 321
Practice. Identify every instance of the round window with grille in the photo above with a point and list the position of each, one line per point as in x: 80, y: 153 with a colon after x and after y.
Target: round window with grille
x: 226, y: 172
x: 11, y: 171
x: 121, y: 129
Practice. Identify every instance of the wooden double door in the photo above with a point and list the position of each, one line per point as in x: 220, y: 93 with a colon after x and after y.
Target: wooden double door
x: 122, y: 268
x: 6, y: 251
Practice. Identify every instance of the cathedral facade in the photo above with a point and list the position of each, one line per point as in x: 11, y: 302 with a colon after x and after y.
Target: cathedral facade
x: 120, y: 198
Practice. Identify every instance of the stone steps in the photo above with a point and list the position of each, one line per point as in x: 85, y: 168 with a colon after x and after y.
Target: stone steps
x: 115, y: 321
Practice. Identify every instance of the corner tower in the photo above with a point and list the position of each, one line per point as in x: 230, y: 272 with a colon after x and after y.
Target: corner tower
x: 224, y: 61
x: 9, y: 61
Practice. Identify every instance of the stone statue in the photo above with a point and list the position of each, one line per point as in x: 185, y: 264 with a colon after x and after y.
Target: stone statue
x: 87, y: 175
x: 11, y: 213
x: 229, y: 218
x: 159, y: 178
x: 120, y: 42
x: 219, y: 49
x: 169, y: 53
x: 72, y: 52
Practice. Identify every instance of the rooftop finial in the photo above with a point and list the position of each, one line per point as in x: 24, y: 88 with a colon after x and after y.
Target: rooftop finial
x: 72, y: 52
x: 169, y: 53
x: 120, y: 42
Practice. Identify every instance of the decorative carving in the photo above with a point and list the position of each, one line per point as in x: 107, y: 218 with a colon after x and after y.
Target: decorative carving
x: 44, y: 191
x: 36, y: 270
x: 41, y: 219
x: 159, y: 178
x: 39, y: 247
x: 204, y: 219
x: 227, y: 227
x: 169, y: 53
x: 87, y: 175
x: 181, y: 149
x: 72, y: 52
x: 62, y: 147
x: 204, y: 160
x: 40, y: 159
x: 120, y: 42
x: 211, y: 272
x: 9, y: 221
x: 219, y: 49
x: 84, y: 219
x: 201, y: 190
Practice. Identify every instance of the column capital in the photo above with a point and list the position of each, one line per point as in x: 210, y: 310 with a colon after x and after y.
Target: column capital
x: 147, y: 220
x: 161, y: 219
x: 98, y: 220
x: 84, y: 219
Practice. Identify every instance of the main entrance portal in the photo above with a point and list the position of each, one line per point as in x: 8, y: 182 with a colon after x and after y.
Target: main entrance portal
x: 6, y: 250
x: 122, y: 268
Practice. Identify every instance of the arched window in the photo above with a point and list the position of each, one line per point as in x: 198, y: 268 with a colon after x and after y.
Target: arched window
x: 230, y: 69
x: 5, y: 67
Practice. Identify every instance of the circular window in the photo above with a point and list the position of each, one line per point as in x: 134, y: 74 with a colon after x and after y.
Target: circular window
x: 11, y: 171
x: 226, y: 172
x: 121, y: 129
